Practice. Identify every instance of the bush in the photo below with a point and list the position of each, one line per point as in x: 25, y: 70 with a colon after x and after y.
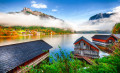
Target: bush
x: 65, y: 64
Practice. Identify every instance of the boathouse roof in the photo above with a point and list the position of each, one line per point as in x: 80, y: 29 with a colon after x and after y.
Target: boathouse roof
x: 14, y: 55
x: 102, y: 37
x: 117, y: 35
x: 86, y: 41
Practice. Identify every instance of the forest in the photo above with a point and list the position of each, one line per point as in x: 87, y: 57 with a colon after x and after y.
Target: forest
x: 20, y: 30
x: 116, y: 29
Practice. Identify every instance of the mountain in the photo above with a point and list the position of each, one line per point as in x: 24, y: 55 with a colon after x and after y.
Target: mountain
x: 94, y: 31
x: 28, y: 11
x: 100, y: 16
x: 116, y: 29
x: 32, y: 18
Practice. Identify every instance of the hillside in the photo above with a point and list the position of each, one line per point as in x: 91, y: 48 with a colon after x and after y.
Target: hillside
x: 95, y: 31
x: 116, y: 29
x: 32, y: 30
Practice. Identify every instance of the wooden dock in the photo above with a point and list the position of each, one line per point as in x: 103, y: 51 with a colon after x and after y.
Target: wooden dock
x: 87, y: 59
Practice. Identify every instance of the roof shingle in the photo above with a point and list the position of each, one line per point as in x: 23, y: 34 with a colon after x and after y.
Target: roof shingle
x: 117, y: 35
x: 102, y: 37
x: 14, y: 55
x: 86, y: 41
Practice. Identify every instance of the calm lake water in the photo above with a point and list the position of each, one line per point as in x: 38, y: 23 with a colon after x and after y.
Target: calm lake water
x: 64, y: 41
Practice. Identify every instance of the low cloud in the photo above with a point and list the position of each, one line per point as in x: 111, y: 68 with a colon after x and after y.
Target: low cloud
x: 20, y: 19
x: 34, y: 4
x: 32, y: 20
x: 101, y: 24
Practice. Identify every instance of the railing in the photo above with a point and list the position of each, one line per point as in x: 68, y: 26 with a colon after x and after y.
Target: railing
x: 90, y: 52
x: 86, y: 52
x: 92, y: 56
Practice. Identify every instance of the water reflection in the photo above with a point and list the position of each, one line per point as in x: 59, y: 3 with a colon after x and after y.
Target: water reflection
x: 64, y: 41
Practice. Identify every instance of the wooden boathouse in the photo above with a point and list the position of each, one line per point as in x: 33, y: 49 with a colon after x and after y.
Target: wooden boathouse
x: 104, y: 40
x: 22, y: 54
x: 85, y: 49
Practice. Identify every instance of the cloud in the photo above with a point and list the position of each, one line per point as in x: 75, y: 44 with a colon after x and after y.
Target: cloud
x: 54, y: 10
x: 20, y: 19
x: 116, y: 9
x: 34, y: 4
x: 39, y: 5
x: 32, y: 20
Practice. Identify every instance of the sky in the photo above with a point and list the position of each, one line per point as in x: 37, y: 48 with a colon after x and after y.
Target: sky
x: 75, y: 13
x: 70, y: 10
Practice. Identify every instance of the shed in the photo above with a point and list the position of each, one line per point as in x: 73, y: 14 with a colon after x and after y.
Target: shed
x: 22, y: 54
x: 104, y: 40
x: 84, y: 47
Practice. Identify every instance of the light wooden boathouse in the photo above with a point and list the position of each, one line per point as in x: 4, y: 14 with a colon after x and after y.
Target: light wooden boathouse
x: 83, y: 48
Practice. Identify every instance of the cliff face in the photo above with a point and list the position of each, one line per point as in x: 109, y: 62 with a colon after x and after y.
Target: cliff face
x: 100, y: 16
x: 116, y: 29
x: 29, y: 11
x: 26, y: 9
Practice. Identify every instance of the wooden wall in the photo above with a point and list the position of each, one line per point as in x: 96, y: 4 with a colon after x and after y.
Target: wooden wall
x: 33, y: 62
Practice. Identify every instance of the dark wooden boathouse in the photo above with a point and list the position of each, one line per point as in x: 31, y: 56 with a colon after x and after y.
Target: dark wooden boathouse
x: 104, y: 40
x: 22, y: 54
x: 85, y: 49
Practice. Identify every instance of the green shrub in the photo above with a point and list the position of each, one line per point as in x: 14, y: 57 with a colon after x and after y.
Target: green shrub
x: 65, y: 64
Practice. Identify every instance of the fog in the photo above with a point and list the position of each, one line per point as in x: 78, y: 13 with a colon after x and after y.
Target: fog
x: 102, y: 24
x: 21, y: 19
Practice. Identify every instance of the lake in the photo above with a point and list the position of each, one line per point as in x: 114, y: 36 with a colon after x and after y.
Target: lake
x: 64, y: 41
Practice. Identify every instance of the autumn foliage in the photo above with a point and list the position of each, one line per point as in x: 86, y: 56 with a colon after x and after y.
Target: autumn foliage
x: 116, y: 29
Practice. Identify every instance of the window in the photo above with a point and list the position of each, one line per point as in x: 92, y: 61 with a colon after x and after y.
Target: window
x: 84, y: 44
x: 84, y: 47
x: 110, y: 41
x: 79, y: 52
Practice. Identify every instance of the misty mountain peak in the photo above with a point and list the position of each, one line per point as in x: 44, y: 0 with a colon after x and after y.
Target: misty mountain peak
x: 26, y: 9
x: 100, y: 16
x: 29, y: 11
x: 37, y: 13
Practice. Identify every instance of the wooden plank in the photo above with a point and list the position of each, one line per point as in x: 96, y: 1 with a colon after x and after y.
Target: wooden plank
x: 87, y: 59
x: 99, y: 40
x: 34, y: 63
